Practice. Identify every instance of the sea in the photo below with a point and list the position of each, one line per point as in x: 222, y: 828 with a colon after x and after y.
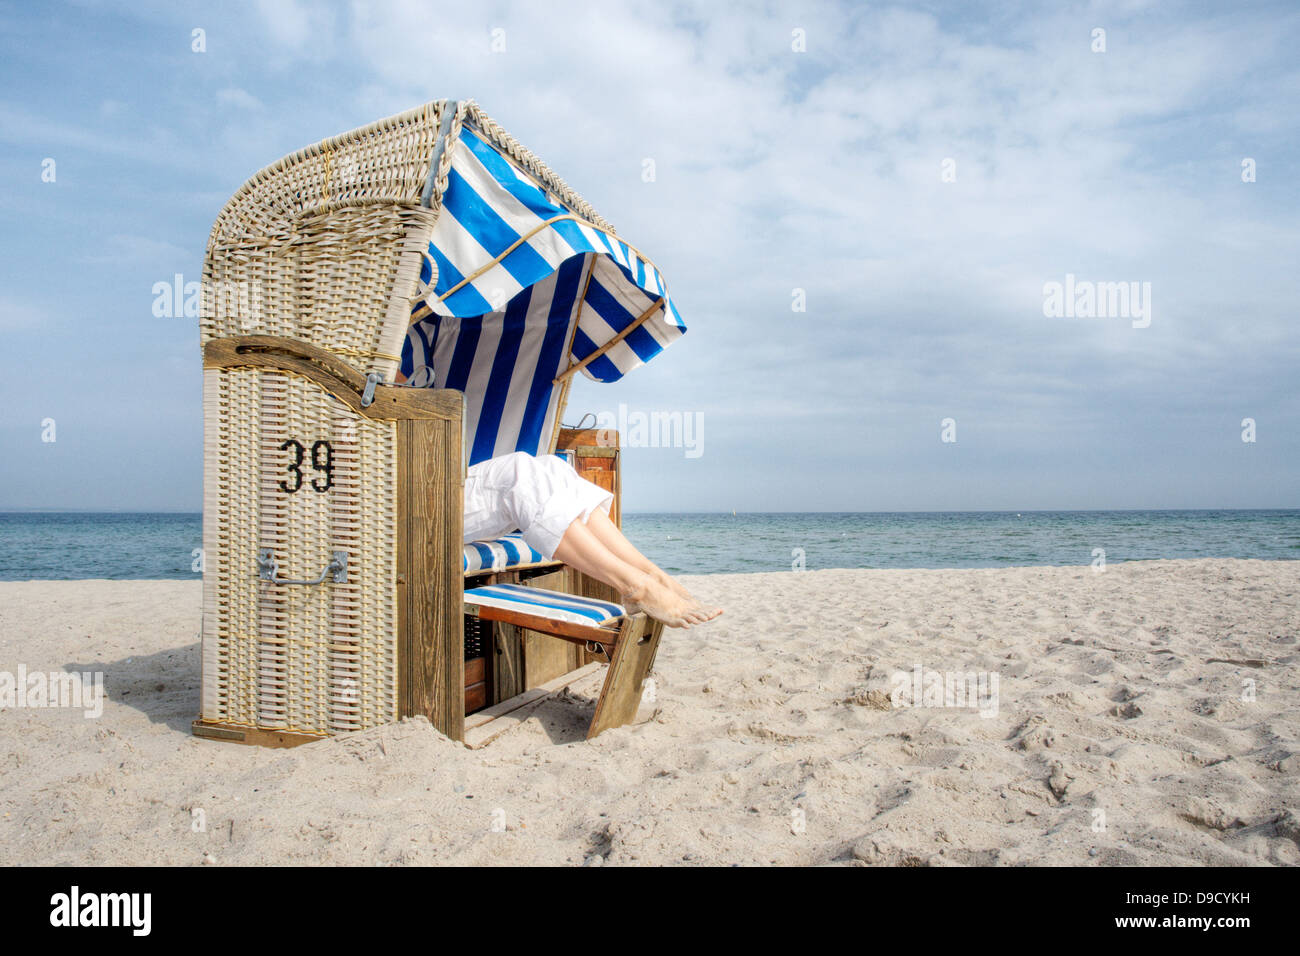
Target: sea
x: 121, y: 545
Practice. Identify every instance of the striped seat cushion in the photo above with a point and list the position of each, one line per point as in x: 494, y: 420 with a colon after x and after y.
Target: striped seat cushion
x: 500, y: 554
x: 548, y: 604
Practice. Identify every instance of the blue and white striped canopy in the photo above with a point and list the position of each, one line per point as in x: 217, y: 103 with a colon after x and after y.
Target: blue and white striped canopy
x: 526, y: 289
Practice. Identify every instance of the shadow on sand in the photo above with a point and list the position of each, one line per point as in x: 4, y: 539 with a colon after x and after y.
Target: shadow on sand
x: 162, y: 686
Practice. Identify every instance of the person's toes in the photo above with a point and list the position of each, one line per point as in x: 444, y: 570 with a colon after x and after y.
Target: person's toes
x: 659, y: 605
x: 700, y: 615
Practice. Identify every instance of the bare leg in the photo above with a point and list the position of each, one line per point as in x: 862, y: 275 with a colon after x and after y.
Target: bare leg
x: 614, y: 539
x: 581, y: 549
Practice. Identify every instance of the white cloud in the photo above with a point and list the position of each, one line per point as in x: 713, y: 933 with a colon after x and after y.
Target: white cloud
x: 307, y: 29
x: 822, y: 170
x: 241, y: 99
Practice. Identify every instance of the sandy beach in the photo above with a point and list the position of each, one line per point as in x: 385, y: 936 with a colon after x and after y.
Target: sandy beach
x: 1147, y: 714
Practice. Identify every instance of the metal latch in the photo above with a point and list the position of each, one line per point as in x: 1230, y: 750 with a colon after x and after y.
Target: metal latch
x: 368, y: 396
x: 267, y: 569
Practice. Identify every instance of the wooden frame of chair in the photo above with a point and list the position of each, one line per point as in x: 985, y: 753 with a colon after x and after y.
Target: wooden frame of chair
x: 630, y: 645
x: 322, y: 251
x: 429, y: 517
x: 428, y: 577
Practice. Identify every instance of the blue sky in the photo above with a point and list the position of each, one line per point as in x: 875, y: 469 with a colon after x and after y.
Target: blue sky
x: 776, y: 170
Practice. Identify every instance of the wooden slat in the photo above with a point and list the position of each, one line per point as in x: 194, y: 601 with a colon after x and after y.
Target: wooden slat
x: 599, y: 478
x: 328, y: 371
x: 618, y: 493
x: 476, y: 579
x: 569, y: 660
x: 475, y: 670
x: 546, y: 659
x: 491, y: 723
x: 597, y: 448
x: 576, y: 438
x: 431, y: 635
x: 585, y: 586
x: 238, y: 734
x: 544, y: 625
x: 621, y: 695
x: 507, y: 662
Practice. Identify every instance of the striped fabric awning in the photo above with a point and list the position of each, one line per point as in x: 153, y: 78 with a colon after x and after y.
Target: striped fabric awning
x: 527, y: 293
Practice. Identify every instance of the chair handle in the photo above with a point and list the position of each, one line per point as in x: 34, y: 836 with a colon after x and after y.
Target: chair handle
x: 267, y: 569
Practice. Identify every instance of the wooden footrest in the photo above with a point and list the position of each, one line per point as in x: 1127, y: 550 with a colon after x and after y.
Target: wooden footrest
x: 576, y: 619
x: 629, y: 641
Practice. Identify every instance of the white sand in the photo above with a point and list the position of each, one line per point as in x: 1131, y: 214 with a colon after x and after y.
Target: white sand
x: 771, y: 739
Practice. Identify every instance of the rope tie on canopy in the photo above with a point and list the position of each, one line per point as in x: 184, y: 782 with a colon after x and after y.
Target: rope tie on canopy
x: 327, y: 161
x: 425, y: 310
x: 362, y: 353
x: 525, y: 158
x: 640, y: 321
x: 568, y: 347
x: 451, y: 134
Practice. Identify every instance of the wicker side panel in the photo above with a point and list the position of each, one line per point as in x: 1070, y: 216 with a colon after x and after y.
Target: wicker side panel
x: 406, y: 291
x: 325, y: 245
x: 230, y: 535
x: 314, y: 659
x: 215, y: 530
x: 342, y: 279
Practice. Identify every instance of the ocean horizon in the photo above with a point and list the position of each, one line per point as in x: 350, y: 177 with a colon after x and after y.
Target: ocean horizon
x: 129, y: 545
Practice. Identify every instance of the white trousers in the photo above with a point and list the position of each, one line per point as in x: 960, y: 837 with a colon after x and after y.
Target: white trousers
x: 539, y: 496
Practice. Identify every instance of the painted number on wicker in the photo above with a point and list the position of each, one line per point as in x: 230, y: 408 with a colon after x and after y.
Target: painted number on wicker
x: 319, y: 462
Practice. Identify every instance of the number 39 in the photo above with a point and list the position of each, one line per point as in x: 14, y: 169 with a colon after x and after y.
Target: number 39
x: 322, y: 460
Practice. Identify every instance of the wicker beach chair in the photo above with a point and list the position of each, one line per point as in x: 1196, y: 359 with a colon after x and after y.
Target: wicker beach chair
x: 382, y: 310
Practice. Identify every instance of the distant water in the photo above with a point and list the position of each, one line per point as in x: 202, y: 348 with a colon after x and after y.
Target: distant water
x: 72, y: 545
x: 48, y: 545
x: 721, y: 543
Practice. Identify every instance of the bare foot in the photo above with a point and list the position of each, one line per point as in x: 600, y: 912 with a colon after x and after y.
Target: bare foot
x: 677, y: 606
x: 661, y: 602
x: 699, y: 613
